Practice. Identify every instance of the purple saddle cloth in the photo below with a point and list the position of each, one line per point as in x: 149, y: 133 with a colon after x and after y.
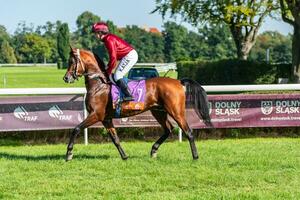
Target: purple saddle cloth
x: 137, y: 88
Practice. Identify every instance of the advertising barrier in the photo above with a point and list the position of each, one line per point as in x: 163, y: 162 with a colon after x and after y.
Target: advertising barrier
x: 227, y: 111
x: 248, y: 110
x: 40, y: 112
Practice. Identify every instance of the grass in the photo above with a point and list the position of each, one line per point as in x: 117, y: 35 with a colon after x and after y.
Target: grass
x: 34, y: 77
x: 226, y: 169
x: 171, y: 74
x: 40, y: 77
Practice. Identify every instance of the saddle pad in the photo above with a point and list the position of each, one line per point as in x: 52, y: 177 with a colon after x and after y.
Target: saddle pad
x: 138, y: 91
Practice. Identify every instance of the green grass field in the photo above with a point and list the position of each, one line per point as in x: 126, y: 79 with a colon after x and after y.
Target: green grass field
x: 40, y: 77
x: 34, y: 77
x: 226, y: 169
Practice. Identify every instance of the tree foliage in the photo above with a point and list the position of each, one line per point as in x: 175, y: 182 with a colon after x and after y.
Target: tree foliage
x: 217, y: 41
x: 278, y: 46
x: 150, y: 46
x: 212, y: 41
x: 244, y: 18
x: 4, y: 36
x: 175, y: 37
x: 63, y: 43
x: 35, y: 48
x: 84, y: 34
x: 7, y: 54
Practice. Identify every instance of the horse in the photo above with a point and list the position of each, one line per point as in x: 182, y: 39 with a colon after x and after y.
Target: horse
x: 164, y: 96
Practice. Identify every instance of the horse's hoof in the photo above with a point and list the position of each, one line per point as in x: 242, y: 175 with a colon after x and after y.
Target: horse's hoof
x: 196, y: 157
x: 125, y: 158
x: 154, y: 155
x: 69, y: 157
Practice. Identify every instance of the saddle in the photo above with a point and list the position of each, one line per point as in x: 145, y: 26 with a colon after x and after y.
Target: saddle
x: 138, y: 91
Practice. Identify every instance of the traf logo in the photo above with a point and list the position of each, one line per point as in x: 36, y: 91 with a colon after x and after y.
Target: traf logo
x: 56, y: 112
x: 266, y: 107
x: 21, y: 113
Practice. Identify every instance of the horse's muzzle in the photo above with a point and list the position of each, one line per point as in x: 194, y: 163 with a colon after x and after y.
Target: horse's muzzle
x: 68, y: 79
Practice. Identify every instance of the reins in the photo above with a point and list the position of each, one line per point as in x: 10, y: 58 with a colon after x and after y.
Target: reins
x: 77, y: 58
x: 95, y: 76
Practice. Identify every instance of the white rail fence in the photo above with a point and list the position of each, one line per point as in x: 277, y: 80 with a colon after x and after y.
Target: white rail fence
x: 161, y: 67
x: 208, y: 88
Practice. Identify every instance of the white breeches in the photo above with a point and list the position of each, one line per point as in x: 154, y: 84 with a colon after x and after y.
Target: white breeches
x: 125, y: 64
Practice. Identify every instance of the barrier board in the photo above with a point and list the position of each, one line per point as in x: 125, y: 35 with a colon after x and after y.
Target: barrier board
x: 227, y: 111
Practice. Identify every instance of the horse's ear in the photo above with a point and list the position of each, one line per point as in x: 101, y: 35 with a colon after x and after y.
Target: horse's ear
x: 71, y: 48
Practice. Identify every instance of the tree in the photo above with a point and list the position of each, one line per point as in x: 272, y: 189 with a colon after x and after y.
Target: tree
x: 5, y: 47
x: 7, y: 54
x: 84, y: 26
x: 63, y: 44
x: 49, y: 32
x: 4, y: 36
x: 18, y: 41
x: 290, y: 10
x: 218, y: 41
x: 23, y: 28
x: 175, y: 36
x: 148, y: 45
x: 156, y: 48
x: 244, y: 18
x: 34, y: 48
x: 278, y: 46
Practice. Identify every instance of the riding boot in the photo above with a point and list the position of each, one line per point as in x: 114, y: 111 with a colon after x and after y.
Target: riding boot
x: 127, y: 94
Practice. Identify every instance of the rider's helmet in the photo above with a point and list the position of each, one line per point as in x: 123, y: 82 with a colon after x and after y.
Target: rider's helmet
x: 100, y: 27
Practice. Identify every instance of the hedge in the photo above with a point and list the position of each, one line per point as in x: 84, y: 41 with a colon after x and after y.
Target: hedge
x: 227, y: 72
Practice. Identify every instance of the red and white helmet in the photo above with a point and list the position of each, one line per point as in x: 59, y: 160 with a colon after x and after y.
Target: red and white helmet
x: 100, y: 27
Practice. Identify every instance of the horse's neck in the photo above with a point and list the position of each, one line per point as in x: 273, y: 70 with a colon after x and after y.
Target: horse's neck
x: 95, y: 80
x: 95, y: 71
x: 95, y: 74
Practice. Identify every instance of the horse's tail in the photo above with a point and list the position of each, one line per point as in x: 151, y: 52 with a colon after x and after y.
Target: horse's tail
x: 196, y: 98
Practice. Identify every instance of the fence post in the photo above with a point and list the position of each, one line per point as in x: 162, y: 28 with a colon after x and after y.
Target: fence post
x: 85, y: 114
x: 180, y: 135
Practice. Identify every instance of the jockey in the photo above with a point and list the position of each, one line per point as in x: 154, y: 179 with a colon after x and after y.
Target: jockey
x: 118, y: 50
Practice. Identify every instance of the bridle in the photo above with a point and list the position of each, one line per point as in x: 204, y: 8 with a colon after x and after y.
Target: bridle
x: 78, y: 62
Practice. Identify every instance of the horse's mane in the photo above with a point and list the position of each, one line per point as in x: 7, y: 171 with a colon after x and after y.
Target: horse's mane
x: 101, y: 65
x: 100, y: 62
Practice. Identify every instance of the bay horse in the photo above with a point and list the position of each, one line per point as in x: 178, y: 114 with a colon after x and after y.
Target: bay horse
x: 164, y: 96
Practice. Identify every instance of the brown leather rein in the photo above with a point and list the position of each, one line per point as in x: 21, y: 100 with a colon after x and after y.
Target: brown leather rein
x: 95, y: 76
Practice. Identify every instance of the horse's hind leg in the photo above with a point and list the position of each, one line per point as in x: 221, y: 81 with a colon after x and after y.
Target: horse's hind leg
x: 162, y: 118
x: 176, y: 109
x: 90, y: 120
x: 182, y: 123
x: 108, y: 124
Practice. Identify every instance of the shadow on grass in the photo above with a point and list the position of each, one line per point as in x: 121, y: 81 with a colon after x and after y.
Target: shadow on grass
x: 50, y: 157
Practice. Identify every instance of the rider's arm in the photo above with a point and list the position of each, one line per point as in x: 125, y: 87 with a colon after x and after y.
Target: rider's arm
x: 112, y: 56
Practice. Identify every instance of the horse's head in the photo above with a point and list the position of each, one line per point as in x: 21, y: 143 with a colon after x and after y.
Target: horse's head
x: 84, y: 63
x: 76, y: 67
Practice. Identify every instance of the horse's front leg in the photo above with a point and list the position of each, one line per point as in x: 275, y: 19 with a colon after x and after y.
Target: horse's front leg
x: 90, y: 120
x: 108, y: 124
